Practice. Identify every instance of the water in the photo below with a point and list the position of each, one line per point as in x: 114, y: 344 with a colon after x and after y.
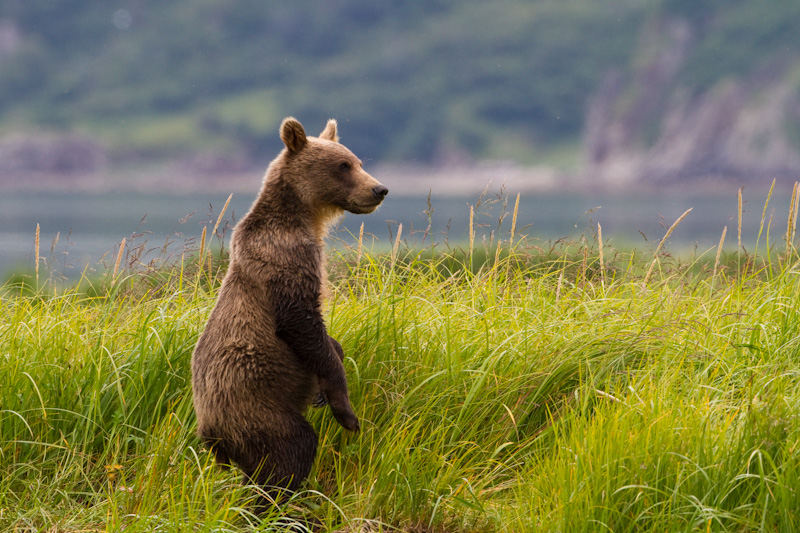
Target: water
x: 90, y: 227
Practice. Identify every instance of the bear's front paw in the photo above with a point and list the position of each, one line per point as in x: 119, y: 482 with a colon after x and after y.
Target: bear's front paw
x: 347, y: 419
x: 339, y: 401
x: 343, y: 412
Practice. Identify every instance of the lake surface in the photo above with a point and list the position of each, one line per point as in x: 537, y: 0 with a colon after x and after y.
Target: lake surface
x: 87, y: 229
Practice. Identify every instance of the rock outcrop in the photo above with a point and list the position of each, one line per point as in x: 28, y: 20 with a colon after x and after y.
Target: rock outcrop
x: 646, y: 129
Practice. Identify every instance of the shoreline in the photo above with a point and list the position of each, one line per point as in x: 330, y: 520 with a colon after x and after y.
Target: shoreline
x: 411, y: 180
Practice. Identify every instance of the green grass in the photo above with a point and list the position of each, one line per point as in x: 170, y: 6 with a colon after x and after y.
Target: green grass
x: 519, y: 388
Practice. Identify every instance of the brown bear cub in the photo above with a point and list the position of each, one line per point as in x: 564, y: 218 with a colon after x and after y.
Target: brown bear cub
x: 265, y: 354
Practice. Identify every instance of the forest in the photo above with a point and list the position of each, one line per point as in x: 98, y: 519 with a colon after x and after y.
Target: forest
x: 424, y: 82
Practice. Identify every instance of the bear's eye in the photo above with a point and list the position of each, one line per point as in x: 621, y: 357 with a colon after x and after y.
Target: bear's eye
x: 344, y: 166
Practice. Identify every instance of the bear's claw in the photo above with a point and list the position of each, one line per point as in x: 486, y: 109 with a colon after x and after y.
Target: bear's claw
x: 320, y: 401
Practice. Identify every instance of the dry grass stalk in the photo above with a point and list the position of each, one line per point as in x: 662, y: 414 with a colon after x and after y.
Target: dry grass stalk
x: 664, y: 239
x: 513, y: 231
x: 600, y: 244
x: 764, y: 216
x: 791, y: 222
x: 36, y: 246
x: 558, y: 287
x: 719, y: 250
x: 360, y: 244
x: 796, y: 206
x: 514, y: 220
x: 119, y: 258
x: 471, y: 231
x: 396, y: 244
x: 740, y: 220
x: 221, y: 214
x: 202, y: 259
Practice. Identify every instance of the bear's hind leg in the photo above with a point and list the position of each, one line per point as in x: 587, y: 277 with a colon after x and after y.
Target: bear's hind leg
x: 281, y: 461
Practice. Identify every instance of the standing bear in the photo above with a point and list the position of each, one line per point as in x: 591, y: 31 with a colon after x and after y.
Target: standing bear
x: 265, y: 354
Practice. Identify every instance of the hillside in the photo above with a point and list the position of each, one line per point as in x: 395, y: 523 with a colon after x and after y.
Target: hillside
x: 712, y: 96
x: 206, y: 83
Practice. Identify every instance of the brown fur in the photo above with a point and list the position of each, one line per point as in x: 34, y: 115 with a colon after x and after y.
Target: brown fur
x: 265, y: 354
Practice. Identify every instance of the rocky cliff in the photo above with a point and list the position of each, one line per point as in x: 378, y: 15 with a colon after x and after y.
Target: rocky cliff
x: 648, y: 128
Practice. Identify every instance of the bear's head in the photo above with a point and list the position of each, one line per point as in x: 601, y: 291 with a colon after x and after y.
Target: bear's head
x: 325, y: 174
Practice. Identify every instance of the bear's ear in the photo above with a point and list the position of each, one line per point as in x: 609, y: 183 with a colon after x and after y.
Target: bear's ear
x: 329, y: 133
x: 292, y: 134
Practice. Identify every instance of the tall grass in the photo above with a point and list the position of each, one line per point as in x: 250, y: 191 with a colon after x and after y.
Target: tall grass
x: 509, y: 386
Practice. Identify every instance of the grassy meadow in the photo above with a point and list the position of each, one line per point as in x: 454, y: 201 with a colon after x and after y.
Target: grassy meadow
x: 504, y: 385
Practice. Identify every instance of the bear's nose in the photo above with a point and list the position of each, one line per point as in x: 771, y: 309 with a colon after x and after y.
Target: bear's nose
x: 379, y: 192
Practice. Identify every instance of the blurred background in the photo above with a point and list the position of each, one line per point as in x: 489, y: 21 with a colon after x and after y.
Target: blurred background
x: 138, y: 118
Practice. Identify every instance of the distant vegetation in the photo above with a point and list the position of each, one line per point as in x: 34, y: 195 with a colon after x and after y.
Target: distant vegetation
x: 418, y: 81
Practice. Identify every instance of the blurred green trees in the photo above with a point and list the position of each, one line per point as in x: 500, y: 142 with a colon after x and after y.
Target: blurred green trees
x: 414, y: 79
